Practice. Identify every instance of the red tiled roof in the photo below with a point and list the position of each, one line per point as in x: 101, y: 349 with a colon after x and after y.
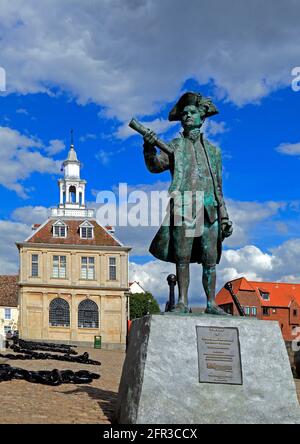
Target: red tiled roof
x: 45, y: 235
x: 281, y: 294
x: 9, y: 291
x: 240, y: 284
x: 246, y: 285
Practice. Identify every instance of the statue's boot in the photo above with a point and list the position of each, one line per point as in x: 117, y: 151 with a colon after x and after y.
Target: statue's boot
x: 180, y: 307
x: 209, y: 284
x: 214, y: 309
x: 183, y: 280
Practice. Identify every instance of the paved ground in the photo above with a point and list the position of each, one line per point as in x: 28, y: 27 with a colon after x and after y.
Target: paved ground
x: 26, y: 403
x: 22, y: 402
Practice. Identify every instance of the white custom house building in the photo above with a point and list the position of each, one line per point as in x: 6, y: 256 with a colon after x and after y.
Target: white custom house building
x: 73, y: 273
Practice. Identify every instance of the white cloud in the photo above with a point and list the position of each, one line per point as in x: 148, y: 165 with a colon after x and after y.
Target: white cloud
x: 154, y: 209
x: 159, y: 126
x: 22, y: 111
x: 105, y: 156
x: 280, y: 264
x: 11, y: 232
x: 133, y: 56
x: 248, y: 258
x: 151, y: 274
x: 55, y: 147
x: 246, y: 216
x: 20, y: 157
x: 291, y: 149
x: 17, y: 230
x: 88, y: 136
x: 213, y: 128
x: 30, y: 215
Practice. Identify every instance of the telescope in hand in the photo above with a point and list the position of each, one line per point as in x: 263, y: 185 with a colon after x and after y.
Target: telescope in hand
x: 141, y: 129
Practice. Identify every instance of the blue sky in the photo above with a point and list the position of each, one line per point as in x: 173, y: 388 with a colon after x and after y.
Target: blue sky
x: 101, y: 64
x: 254, y: 170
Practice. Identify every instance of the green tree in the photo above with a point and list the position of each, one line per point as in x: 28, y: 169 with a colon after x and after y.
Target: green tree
x: 142, y: 304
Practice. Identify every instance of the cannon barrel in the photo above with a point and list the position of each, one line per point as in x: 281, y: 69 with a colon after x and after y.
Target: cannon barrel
x: 141, y: 129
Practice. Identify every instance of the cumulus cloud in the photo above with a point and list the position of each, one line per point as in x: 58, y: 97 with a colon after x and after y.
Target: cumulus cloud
x: 146, y: 205
x: 248, y: 259
x: 279, y: 264
x: 30, y: 215
x: 290, y: 149
x: 246, y: 216
x: 159, y: 126
x: 105, y: 156
x: 213, y: 128
x: 88, y: 136
x: 55, y: 147
x: 20, y: 157
x: 11, y: 232
x: 17, y: 230
x: 22, y: 111
x: 132, y: 56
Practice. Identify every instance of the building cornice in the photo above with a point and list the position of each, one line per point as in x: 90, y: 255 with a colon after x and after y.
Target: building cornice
x: 72, y: 287
x: 110, y: 248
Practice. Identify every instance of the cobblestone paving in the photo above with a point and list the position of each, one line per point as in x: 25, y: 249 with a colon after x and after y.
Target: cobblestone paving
x: 27, y: 403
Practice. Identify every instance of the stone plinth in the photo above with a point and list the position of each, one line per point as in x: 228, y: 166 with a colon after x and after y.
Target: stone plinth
x: 2, y: 343
x: 160, y: 379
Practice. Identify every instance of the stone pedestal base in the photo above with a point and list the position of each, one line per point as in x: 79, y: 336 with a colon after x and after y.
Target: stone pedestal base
x: 160, y: 382
x: 2, y: 343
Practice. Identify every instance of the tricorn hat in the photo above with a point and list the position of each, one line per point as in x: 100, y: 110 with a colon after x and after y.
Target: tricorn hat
x: 192, y: 98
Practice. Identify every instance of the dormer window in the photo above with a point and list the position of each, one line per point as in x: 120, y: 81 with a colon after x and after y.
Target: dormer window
x: 86, y: 230
x: 87, y: 233
x: 264, y: 295
x: 59, y: 229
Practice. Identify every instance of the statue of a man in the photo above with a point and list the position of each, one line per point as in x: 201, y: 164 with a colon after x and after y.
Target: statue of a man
x: 195, y: 165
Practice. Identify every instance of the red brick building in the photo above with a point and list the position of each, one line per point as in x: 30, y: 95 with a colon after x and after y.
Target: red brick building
x: 270, y: 301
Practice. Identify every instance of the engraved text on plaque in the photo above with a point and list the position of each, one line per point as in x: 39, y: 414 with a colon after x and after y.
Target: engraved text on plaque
x: 219, y: 355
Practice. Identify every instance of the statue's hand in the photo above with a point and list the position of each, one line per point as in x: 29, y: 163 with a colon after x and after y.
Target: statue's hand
x: 226, y: 228
x: 149, y: 140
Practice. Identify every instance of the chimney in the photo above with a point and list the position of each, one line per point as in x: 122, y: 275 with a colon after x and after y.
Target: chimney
x: 110, y: 229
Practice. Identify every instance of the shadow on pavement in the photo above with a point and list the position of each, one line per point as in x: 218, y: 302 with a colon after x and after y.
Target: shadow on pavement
x: 105, y: 398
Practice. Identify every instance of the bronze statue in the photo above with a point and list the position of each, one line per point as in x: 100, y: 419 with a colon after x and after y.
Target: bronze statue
x: 195, y: 165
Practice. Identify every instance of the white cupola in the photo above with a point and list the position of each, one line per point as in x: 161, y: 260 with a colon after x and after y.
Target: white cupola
x: 72, y: 188
x: 72, y: 165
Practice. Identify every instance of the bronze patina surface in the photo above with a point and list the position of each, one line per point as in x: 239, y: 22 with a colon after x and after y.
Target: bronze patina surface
x: 196, y: 169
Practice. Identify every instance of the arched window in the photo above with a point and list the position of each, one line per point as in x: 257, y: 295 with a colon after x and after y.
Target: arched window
x: 59, y: 313
x: 72, y: 194
x: 88, y: 314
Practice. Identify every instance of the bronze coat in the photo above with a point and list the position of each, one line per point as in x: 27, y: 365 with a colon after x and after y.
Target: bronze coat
x: 161, y: 246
